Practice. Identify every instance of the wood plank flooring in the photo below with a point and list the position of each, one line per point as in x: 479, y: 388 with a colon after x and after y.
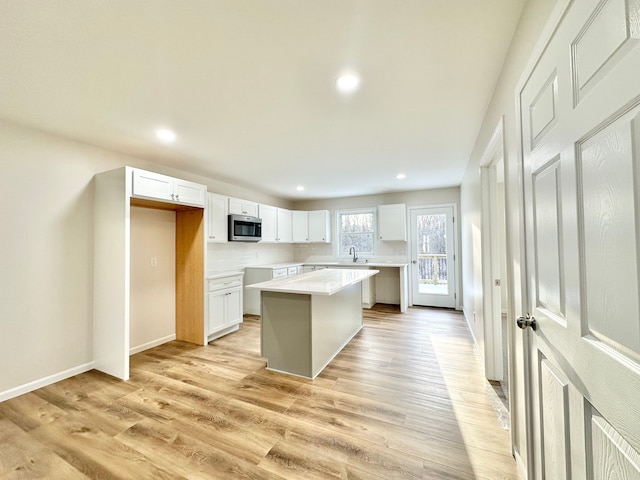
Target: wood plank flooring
x: 405, y: 399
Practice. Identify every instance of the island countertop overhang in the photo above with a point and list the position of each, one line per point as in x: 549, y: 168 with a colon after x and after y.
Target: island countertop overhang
x: 320, y: 282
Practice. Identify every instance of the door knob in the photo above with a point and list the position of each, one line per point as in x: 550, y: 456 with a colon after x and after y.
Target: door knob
x: 528, y: 321
x: 414, y: 261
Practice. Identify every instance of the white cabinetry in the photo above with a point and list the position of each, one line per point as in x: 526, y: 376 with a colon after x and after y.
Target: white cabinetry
x: 276, y: 224
x: 300, y: 226
x: 319, y: 226
x: 312, y: 268
x: 392, y: 222
x: 284, y: 232
x: 217, y: 212
x: 268, y: 215
x: 113, y: 199
x: 312, y: 227
x: 224, y: 310
x: 243, y: 207
x: 156, y: 186
x: 262, y: 274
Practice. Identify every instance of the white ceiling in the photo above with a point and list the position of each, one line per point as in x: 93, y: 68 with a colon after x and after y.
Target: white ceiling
x: 248, y: 85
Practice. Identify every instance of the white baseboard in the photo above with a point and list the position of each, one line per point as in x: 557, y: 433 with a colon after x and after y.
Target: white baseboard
x: 151, y: 344
x: 473, y: 335
x: 521, y: 466
x: 43, y: 382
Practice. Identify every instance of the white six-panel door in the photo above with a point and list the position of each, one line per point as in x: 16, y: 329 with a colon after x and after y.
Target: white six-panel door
x: 580, y: 141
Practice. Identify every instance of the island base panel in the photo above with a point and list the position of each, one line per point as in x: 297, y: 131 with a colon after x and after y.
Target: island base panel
x: 286, y: 332
x: 302, y: 333
x: 336, y: 320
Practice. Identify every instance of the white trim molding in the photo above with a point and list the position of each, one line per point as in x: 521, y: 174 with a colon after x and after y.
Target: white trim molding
x: 43, y: 382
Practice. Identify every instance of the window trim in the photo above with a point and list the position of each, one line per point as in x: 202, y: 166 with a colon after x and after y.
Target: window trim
x: 374, y: 230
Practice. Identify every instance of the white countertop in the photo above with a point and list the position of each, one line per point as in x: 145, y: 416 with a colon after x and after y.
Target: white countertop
x: 357, y: 264
x: 214, y: 275
x: 320, y: 282
x: 277, y: 265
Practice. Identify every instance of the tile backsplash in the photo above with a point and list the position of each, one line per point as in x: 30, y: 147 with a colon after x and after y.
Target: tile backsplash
x: 223, y: 257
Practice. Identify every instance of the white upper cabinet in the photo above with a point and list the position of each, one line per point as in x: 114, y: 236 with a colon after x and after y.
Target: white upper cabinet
x: 190, y: 193
x: 268, y: 215
x: 319, y: 226
x: 217, y: 212
x: 300, y: 226
x: 276, y: 224
x: 392, y: 222
x: 284, y: 226
x: 243, y: 207
x: 155, y: 186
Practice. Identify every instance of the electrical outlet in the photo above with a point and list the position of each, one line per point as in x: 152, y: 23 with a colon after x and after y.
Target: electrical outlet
x: 154, y: 262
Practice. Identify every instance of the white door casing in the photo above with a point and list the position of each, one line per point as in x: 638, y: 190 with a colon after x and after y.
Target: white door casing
x: 436, y: 295
x: 580, y: 145
x: 493, y: 246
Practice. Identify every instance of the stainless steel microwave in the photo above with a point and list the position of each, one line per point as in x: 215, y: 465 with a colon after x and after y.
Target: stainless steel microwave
x: 243, y: 228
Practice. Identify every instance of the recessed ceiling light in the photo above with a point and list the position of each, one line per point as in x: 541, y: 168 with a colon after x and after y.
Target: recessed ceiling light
x: 347, y: 83
x: 300, y: 188
x: 165, y: 135
x: 400, y: 176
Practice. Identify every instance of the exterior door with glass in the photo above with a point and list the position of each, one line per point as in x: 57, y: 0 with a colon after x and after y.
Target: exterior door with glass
x: 432, y: 257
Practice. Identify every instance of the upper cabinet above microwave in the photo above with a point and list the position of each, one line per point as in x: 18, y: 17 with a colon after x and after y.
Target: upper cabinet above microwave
x: 156, y: 186
x: 243, y: 207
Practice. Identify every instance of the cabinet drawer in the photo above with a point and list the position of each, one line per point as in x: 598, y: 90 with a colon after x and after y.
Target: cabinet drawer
x: 292, y: 271
x: 279, y: 273
x: 218, y: 284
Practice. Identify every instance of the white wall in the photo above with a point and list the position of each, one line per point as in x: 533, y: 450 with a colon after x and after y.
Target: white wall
x: 153, y: 287
x: 532, y: 21
x: 385, y: 251
x: 394, y: 251
x: 46, y: 252
x: 533, y: 18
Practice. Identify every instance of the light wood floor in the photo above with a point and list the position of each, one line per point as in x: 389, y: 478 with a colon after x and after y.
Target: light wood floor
x: 405, y: 399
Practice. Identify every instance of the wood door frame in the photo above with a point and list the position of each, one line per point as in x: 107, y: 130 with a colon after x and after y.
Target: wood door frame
x: 493, y: 351
x: 456, y: 253
x: 521, y: 282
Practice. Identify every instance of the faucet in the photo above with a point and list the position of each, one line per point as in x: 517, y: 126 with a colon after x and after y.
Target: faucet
x: 355, y: 257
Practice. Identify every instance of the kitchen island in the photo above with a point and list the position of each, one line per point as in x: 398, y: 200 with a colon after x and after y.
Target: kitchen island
x: 307, y: 319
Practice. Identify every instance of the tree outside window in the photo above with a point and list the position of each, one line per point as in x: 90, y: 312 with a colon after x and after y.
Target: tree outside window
x: 356, y: 229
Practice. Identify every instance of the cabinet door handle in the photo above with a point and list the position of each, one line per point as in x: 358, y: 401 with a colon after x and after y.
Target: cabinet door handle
x: 176, y: 197
x: 172, y: 196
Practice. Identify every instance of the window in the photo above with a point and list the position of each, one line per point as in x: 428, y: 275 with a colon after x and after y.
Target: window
x: 356, y: 228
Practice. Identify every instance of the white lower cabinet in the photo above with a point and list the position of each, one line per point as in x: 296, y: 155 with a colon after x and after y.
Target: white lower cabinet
x: 262, y: 274
x: 224, y: 309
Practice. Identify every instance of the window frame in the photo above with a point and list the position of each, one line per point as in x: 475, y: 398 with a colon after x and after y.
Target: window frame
x: 374, y: 231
